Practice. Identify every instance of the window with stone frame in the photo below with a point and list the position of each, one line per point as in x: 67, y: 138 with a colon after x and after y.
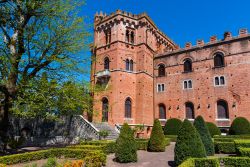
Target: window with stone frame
x: 160, y: 87
x: 219, y: 81
x: 222, y: 110
x: 187, y: 84
x: 129, y: 65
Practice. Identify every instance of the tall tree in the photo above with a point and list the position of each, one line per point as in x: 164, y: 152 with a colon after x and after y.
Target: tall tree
x: 37, y: 36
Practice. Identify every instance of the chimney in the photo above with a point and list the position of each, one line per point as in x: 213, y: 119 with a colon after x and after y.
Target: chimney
x: 200, y: 42
x: 213, y: 39
x: 227, y: 35
x: 188, y: 45
x: 243, y: 32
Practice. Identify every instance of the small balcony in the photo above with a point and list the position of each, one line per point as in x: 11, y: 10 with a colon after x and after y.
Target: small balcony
x: 103, y: 74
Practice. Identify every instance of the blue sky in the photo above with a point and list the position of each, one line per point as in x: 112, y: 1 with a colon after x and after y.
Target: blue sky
x: 182, y: 20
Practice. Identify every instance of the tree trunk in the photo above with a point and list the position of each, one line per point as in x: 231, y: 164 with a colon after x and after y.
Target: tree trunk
x: 4, y: 120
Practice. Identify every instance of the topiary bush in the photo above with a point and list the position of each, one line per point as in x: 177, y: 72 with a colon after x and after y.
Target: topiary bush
x: 156, y: 142
x: 203, y: 131
x: 213, y: 129
x: 188, y: 144
x: 126, y: 148
x: 240, y: 126
x: 172, y: 126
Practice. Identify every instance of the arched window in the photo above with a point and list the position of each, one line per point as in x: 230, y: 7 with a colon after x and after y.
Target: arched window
x: 127, y: 65
x: 189, y: 110
x: 127, y: 36
x: 128, y: 108
x: 162, y: 111
x: 106, y: 63
x: 132, y: 37
x: 187, y: 65
x: 219, y: 60
x: 105, y: 108
x: 131, y: 63
x: 222, y: 109
x: 161, y: 70
x: 108, y: 36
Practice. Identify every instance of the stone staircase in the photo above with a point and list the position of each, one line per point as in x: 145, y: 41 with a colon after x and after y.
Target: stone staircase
x: 113, y: 133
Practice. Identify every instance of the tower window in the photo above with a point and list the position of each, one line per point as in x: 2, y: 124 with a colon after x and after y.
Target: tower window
x: 105, y: 108
x: 162, y: 111
x: 127, y: 35
x: 160, y: 87
x: 161, y: 70
x: 129, y: 65
x: 108, y: 36
x: 219, y: 60
x: 189, y: 107
x: 132, y: 37
x: 187, y: 65
x: 106, y: 63
x: 128, y: 108
x: 187, y: 84
x: 219, y: 81
x: 222, y: 110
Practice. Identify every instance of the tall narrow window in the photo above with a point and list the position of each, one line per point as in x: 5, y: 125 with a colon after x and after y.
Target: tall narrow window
x: 108, y: 36
x: 127, y: 36
x: 187, y: 65
x: 127, y: 65
x: 162, y: 111
x: 222, y: 80
x: 219, y: 60
x: 131, y: 65
x: 105, y: 108
x: 128, y: 108
x: 187, y: 84
x: 106, y: 63
x: 189, y: 110
x: 161, y: 70
x: 132, y: 37
x: 219, y: 81
x: 222, y: 110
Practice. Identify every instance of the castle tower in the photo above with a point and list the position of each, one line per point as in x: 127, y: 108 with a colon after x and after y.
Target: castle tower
x: 123, y: 51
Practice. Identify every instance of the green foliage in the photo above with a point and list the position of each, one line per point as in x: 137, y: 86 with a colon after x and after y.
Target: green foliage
x: 103, y: 134
x: 202, y: 129
x: 56, y: 152
x: 224, y: 147
x: 230, y: 137
x: 95, y: 159
x: 244, y: 152
x: 213, y: 129
x: 242, y: 143
x: 172, y: 138
x: 156, y: 142
x: 188, y: 143
x: 126, y: 149
x: 142, y: 144
x: 51, y: 162
x: 235, y: 161
x: 15, y: 144
x: 239, y: 126
x: 172, y: 126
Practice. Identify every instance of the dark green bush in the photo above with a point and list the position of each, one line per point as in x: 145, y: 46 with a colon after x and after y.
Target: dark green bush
x: 142, y: 144
x: 171, y: 137
x: 224, y: 147
x: 172, y: 126
x: 213, y: 129
x: 156, y: 142
x: 206, y: 139
x: 188, y: 143
x: 235, y: 161
x: 126, y: 149
x: 244, y: 152
x: 231, y: 138
x: 51, y: 162
x: 240, y: 126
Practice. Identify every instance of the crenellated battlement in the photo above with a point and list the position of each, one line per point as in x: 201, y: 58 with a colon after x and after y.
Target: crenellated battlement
x: 227, y: 36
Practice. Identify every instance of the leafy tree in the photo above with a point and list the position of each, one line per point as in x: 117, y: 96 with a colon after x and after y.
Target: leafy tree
x: 156, y: 142
x: 239, y: 126
x: 172, y: 126
x: 188, y: 144
x: 202, y: 129
x: 37, y: 36
x: 213, y: 129
x: 126, y: 149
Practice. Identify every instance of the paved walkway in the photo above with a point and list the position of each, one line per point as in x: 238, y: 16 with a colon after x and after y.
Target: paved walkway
x: 148, y: 159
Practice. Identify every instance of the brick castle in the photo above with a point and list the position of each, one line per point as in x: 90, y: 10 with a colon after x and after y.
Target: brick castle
x: 147, y: 76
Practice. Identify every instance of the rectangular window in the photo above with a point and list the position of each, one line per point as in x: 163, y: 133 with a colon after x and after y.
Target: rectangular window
x: 219, y: 81
x: 187, y: 84
x: 160, y: 87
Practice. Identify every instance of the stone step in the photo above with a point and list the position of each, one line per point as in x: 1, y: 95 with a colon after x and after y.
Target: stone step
x: 113, y: 134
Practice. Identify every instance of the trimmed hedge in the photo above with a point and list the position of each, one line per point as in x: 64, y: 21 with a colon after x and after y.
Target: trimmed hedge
x: 239, y: 126
x: 171, y: 137
x: 242, y: 143
x: 244, y: 152
x: 213, y: 129
x: 224, y: 147
x: 109, y: 146
x: 156, y: 142
x: 215, y: 162
x: 188, y: 143
x: 231, y: 138
x: 172, y: 126
x: 202, y: 129
x: 55, y: 152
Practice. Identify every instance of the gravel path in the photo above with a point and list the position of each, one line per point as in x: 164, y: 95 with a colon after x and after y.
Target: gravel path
x: 148, y: 159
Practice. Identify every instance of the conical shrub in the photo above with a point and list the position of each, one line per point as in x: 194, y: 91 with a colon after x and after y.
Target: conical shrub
x: 126, y: 150
x: 172, y: 126
x: 156, y: 142
x: 213, y: 129
x: 188, y: 144
x: 203, y: 131
x: 240, y: 126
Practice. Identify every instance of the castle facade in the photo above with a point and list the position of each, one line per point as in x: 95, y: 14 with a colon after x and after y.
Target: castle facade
x: 147, y: 76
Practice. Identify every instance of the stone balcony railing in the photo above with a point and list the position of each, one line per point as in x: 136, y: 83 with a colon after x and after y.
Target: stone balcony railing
x: 104, y: 73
